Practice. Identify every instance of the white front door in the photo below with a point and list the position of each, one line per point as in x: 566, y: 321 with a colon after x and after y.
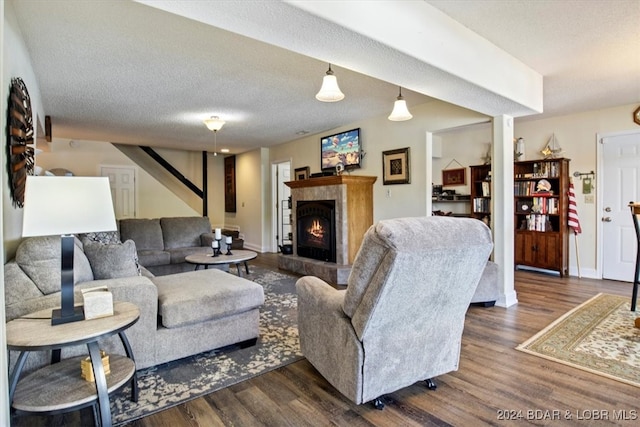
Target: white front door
x: 123, y: 189
x: 620, y: 185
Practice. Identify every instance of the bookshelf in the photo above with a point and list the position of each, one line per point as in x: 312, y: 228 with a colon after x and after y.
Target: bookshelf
x: 540, y: 191
x: 481, y: 193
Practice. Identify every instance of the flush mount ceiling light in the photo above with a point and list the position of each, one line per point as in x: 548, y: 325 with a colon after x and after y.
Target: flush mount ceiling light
x: 214, y: 124
x: 329, y: 92
x: 400, y: 112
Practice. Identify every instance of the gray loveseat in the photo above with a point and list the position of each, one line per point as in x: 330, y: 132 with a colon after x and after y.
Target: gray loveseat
x: 163, y: 243
x: 180, y: 314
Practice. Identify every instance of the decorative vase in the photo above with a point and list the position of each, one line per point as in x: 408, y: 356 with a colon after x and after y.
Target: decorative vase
x: 519, y: 151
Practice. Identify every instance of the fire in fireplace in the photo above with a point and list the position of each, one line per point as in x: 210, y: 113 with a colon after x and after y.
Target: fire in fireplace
x: 316, y: 229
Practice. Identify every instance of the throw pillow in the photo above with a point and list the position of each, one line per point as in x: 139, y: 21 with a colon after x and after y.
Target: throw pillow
x: 112, y: 261
x: 39, y: 258
x: 104, y: 237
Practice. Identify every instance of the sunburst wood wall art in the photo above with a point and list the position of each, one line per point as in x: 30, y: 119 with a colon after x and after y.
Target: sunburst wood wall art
x: 19, y: 140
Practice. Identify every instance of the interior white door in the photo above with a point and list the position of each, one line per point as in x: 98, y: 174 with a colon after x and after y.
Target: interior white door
x: 281, y: 173
x: 284, y: 229
x: 123, y: 189
x: 620, y: 174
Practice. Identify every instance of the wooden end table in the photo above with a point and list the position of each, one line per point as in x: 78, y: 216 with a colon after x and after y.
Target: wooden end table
x: 59, y: 387
x: 238, y: 256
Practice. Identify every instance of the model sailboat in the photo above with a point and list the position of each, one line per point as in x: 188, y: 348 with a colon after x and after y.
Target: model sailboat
x: 552, y: 150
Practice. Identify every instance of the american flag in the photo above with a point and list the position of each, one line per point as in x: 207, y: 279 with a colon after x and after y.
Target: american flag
x: 573, y: 220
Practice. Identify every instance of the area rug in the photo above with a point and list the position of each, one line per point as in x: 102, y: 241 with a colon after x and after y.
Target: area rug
x: 598, y: 336
x: 170, y: 384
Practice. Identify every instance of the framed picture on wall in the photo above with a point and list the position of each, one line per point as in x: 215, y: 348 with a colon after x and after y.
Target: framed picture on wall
x: 230, y: 184
x: 453, y: 177
x: 395, y: 167
x: 302, y: 173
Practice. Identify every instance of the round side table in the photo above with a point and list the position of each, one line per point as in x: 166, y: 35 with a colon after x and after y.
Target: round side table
x: 59, y: 387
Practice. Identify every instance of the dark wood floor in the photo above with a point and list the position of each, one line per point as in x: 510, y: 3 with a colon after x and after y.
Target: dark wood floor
x: 494, y: 385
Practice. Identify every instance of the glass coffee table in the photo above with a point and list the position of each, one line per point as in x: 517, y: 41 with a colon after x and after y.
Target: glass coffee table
x: 237, y: 257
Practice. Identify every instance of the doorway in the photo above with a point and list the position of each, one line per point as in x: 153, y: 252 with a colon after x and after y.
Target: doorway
x: 122, y: 181
x: 281, y: 173
x: 620, y: 160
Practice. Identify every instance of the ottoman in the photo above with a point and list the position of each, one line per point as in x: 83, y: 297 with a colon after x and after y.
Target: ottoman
x: 204, y: 310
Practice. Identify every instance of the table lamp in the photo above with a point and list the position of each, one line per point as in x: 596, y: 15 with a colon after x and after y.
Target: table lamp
x: 65, y: 205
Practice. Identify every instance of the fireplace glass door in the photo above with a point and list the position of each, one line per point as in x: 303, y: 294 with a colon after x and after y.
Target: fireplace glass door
x: 316, y: 231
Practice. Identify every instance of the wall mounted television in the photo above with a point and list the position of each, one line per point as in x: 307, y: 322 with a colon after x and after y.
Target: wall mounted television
x: 343, y: 147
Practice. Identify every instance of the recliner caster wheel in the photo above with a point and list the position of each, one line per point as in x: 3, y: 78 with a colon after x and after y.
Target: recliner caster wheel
x: 431, y: 384
x: 377, y: 403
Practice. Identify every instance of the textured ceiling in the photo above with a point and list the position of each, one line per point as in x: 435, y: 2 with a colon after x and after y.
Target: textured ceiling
x: 129, y: 73
x: 587, y: 50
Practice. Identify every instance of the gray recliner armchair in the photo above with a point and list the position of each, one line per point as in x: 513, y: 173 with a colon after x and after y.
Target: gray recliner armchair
x: 401, y: 318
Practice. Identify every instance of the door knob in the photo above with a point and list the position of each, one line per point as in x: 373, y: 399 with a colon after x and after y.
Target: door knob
x: 606, y: 219
x: 607, y: 209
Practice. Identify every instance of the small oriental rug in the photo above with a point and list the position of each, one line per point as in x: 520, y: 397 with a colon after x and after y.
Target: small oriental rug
x: 598, y: 336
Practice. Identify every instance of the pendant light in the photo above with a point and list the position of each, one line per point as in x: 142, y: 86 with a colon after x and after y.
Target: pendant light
x: 400, y: 112
x: 330, y: 92
x: 214, y: 124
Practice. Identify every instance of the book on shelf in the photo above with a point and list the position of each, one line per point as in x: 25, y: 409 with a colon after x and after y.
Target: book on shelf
x: 536, y: 222
x: 542, y: 170
x: 529, y: 188
x: 481, y: 205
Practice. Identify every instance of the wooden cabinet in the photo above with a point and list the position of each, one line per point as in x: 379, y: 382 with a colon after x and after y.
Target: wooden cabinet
x: 481, y: 193
x: 540, y: 208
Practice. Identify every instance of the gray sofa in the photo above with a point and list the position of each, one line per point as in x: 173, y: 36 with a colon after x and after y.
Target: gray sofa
x: 488, y: 290
x: 180, y: 314
x: 163, y: 243
x: 401, y: 318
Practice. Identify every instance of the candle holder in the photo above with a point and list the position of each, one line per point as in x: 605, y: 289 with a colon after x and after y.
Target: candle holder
x: 218, y: 251
x: 215, y: 247
x: 228, y: 240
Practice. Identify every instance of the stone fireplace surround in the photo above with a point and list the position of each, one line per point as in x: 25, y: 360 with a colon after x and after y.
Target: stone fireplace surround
x: 353, y: 196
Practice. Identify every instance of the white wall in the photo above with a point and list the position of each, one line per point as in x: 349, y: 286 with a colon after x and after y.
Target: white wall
x: 15, y: 63
x: 460, y: 148
x: 84, y: 158
x: 252, y: 198
x: 379, y: 134
x: 576, y: 135
x: 4, y: 383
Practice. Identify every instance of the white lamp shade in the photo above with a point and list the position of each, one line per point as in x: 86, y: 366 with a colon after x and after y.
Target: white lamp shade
x: 214, y: 123
x: 400, y: 112
x: 330, y: 92
x: 56, y: 205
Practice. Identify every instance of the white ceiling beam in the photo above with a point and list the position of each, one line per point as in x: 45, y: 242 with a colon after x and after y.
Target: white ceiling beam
x: 409, y: 43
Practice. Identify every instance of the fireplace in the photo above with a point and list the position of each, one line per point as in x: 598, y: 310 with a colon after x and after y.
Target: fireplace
x: 316, y: 229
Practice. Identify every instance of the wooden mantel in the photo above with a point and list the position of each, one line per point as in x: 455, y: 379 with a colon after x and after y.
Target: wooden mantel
x: 354, y: 207
x: 333, y: 180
